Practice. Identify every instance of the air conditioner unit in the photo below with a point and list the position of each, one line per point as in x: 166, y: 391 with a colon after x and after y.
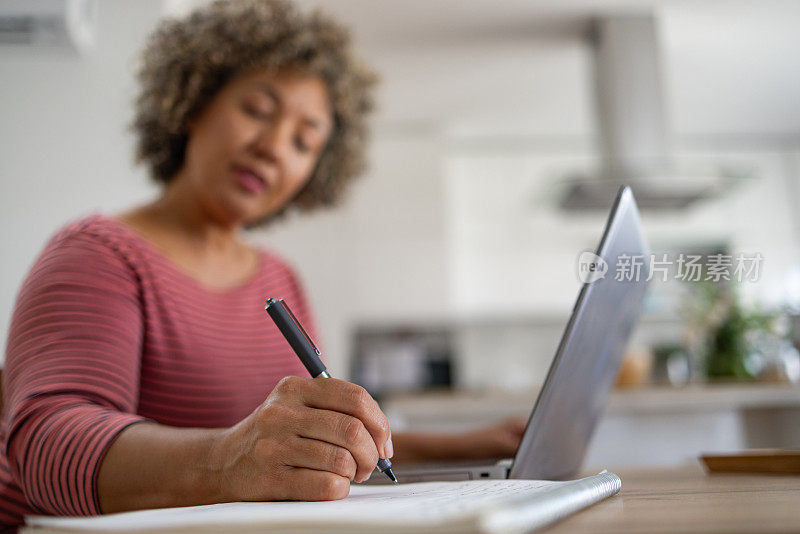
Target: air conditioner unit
x: 48, y: 23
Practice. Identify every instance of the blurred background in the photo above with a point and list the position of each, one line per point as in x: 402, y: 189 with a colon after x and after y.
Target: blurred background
x: 443, y: 284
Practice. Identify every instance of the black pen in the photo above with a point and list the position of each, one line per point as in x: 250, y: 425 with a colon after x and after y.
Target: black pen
x: 308, y: 353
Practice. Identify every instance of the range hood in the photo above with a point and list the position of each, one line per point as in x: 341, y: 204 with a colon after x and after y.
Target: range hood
x: 632, y: 126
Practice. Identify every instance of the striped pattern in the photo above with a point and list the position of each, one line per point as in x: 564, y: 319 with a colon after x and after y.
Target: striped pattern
x: 107, y: 332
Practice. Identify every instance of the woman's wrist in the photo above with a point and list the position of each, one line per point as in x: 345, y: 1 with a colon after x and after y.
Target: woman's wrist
x: 225, y: 446
x: 205, y: 477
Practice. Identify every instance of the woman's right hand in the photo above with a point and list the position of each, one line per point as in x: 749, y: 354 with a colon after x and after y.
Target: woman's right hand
x: 307, y: 441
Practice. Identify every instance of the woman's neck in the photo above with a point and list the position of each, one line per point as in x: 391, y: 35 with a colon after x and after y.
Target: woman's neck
x: 199, y: 245
x: 183, y: 215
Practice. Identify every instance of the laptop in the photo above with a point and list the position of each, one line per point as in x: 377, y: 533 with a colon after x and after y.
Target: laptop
x: 583, y: 371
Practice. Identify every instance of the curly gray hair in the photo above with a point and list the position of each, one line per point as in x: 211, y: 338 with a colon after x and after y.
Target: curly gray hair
x: 187, y: 61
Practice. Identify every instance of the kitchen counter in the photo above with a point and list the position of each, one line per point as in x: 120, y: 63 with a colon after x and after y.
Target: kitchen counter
x: 649, y: 425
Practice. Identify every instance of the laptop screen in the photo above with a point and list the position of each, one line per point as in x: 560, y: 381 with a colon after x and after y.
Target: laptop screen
x: 582, y: 373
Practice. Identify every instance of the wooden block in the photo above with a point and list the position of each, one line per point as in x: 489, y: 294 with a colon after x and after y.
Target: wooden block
x: 771, y: 461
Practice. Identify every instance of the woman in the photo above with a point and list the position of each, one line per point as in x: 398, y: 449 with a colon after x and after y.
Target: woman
x: 141, y: 370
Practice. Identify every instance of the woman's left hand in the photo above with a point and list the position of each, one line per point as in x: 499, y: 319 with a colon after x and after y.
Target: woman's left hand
x: 496, y: 441
x: 499, y: 440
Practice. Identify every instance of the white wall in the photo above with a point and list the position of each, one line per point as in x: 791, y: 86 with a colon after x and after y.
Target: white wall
x: 64, y: 148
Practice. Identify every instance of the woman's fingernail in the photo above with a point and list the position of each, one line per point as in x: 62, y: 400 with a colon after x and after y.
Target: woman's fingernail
x: 389, y: 448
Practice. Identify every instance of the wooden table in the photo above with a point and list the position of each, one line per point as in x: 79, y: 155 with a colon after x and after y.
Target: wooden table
x: 689, y: 501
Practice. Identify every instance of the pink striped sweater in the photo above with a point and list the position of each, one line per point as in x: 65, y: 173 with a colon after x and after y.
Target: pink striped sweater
x: 107, y: 332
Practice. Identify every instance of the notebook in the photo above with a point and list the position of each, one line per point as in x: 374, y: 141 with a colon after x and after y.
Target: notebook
x: 485, y: 506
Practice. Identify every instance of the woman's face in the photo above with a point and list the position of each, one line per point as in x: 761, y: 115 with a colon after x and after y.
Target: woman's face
x: 256, y: 144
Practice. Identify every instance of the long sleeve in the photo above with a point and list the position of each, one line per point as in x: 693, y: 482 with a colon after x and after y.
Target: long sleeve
x: 71, y: 379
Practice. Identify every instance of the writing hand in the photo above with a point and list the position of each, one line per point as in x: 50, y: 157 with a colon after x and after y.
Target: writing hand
x: 307, y: 441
